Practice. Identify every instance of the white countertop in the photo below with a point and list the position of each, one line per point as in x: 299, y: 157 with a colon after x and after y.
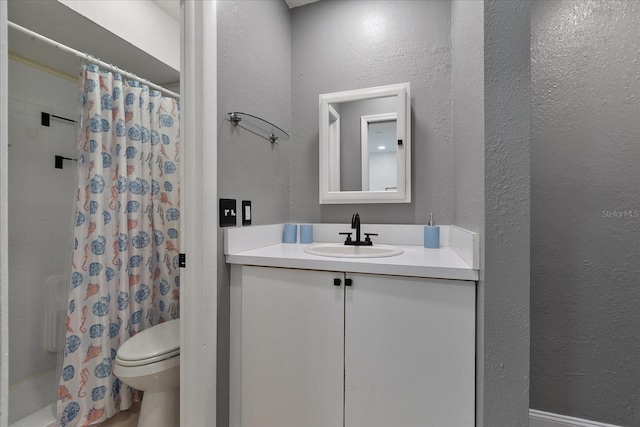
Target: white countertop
x: 416, y: 261
x: 457, y: 258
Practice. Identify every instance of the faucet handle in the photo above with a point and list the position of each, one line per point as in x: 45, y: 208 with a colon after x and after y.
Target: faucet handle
x: 368, y: 238
x: 348, y: 236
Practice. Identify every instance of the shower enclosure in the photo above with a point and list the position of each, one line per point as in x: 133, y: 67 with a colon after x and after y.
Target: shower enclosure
x: 41, y: 199
x: 43, y: 105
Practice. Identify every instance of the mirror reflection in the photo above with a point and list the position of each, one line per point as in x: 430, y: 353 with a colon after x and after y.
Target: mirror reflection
x: 356, y: 136
x: 379, y: 152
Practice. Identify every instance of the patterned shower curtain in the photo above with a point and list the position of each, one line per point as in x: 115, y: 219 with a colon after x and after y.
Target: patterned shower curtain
x: 125, y: 276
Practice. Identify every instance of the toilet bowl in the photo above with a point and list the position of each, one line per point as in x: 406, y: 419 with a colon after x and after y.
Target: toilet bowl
x: 150, y: 361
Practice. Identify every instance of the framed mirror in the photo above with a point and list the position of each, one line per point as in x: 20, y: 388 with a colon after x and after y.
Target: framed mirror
x: 365, y: 145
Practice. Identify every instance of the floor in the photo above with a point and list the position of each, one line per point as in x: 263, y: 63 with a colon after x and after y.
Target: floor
x: 45, y: 418
x: 125, y: 418
x: 31, y: 395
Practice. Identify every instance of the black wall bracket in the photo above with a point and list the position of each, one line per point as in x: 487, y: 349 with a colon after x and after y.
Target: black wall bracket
x: 45, y: 119
x: 59, y: 159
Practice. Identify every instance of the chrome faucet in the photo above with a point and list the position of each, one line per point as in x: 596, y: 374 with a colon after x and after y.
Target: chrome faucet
x: 355, y: 225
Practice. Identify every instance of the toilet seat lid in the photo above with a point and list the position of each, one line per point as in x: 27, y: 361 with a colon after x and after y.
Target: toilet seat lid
x: 151, y: 345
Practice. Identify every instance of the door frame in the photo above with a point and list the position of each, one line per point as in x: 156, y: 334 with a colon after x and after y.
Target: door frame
x: 199, y: 287
x: 364, y: 142
x: 4, y: 245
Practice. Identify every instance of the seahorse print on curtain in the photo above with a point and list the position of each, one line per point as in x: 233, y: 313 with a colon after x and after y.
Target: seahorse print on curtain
x: 125, y: 275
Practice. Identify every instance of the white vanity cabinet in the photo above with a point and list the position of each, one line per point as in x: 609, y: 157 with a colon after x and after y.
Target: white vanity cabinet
x: 287, y: 330
x: 384, y: 351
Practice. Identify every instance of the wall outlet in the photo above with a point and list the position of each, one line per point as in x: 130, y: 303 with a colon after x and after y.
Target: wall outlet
x: 246, y: 212
x: 228, y: 212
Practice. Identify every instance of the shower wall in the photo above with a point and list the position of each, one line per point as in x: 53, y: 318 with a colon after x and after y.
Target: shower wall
x: 41, y: 200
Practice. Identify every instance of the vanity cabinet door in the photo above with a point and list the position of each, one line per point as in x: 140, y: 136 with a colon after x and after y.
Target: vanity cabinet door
x: 292, y: 327
x: 409, y: 352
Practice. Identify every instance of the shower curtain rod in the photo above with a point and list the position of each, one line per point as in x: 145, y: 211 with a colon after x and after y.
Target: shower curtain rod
x: 91, y: 59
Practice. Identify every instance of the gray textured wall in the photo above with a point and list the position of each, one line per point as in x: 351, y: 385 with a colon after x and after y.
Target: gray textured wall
x: 503, y: 290
x: 490, y: 122
x: 585, y: 195
x: 254, y: 76
x: 341, y: 45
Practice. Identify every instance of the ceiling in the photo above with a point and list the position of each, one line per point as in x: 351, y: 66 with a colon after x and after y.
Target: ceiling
x: 56, y: 21
x: 172, y: 7
x: 296, y: 3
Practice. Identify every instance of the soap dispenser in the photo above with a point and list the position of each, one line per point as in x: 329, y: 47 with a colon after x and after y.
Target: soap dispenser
x: 431, y: 234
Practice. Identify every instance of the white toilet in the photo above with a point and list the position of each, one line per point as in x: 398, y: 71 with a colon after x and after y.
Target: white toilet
x: 150, y: 361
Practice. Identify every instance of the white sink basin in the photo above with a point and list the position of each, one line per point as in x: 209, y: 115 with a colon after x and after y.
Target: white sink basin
x: 340, y: 250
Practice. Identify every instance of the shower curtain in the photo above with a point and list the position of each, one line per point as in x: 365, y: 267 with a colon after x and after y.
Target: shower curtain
x: 125, y: 275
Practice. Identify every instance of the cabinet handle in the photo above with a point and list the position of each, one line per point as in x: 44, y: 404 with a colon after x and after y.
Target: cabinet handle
x: 337, y: 282
x: 348, y: 282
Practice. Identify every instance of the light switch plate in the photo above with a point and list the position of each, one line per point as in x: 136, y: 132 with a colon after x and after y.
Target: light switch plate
x: 228, y: 212
x: 246, y: 212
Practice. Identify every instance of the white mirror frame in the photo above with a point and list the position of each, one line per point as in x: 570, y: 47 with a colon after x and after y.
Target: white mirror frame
x: 327, y: 154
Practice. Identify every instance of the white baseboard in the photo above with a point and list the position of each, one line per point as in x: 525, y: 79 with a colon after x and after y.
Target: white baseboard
x: 548, y: 419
